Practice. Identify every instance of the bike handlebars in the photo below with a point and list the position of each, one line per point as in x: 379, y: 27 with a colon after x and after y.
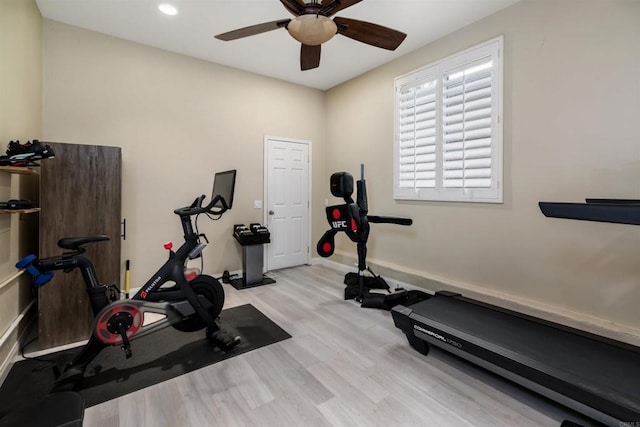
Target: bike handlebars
x: 196, y: 207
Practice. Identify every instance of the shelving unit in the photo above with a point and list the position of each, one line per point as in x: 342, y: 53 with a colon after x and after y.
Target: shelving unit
x: 21, y: 170
x: 19, y: 211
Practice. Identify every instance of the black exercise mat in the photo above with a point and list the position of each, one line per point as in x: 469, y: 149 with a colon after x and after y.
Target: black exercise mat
x: 157, y: 357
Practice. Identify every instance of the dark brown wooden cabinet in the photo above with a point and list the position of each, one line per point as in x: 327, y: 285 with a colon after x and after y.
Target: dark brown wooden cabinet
x: 80, y: 195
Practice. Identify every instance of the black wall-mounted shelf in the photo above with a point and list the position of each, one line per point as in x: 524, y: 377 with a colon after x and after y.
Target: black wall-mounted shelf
x: 619, y: 211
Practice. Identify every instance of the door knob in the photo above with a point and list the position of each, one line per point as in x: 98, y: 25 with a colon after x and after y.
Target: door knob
x: 271, y: 212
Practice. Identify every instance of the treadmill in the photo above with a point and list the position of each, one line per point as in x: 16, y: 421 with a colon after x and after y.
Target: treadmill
x: 593, y: 375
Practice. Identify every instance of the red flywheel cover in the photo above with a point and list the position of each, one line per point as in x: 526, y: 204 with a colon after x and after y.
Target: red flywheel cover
x: 101, y: 329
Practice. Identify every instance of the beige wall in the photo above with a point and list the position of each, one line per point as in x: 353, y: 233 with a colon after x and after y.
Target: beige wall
x: 178, y: 120
x: 572, y: 104
x: 20, y: 118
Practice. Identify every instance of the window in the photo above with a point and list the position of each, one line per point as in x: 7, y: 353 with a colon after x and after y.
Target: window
x: 448, y: 128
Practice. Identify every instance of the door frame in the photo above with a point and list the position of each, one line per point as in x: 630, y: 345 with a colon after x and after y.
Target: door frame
x: 265, y: 192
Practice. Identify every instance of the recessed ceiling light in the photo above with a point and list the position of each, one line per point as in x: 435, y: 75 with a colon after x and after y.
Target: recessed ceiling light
x: 168, y: 9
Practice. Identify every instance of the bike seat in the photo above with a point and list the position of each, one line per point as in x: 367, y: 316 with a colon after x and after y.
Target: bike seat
x: 73, y: 243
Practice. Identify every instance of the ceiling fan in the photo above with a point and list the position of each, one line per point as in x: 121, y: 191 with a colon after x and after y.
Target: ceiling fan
x: 312, y: 26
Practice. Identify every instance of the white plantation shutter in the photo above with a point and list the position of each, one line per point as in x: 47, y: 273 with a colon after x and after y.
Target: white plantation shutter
x: 466, y: 127
x: 418, y: 136
x: 448, y: 135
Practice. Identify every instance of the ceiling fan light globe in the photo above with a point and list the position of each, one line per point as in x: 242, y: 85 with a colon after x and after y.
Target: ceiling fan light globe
x: 312, y: 29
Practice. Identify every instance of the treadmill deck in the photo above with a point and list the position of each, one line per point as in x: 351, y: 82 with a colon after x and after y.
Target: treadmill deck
x: 593, y: 365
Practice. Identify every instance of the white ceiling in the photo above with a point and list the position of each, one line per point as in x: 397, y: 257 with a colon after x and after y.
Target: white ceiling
x: 275, y: 54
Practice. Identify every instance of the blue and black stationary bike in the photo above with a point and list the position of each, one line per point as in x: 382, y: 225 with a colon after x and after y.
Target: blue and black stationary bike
x: 190, y: 301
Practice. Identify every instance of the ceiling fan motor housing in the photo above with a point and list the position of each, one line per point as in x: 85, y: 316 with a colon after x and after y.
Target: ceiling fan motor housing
x: 312, y: 29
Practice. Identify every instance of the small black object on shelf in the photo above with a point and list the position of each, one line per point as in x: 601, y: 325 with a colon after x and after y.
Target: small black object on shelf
x: 252, y: 239
x: 15, y: 204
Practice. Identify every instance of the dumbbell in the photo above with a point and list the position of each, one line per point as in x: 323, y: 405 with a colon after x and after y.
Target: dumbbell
x: 39, y: 278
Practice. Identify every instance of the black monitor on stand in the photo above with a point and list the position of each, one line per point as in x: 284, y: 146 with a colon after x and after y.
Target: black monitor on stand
x: 224, y: 185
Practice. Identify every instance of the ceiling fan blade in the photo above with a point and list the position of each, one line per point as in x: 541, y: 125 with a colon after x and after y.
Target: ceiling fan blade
x: 366, y: 32
x: 331, y: 7
x: 295, y: 7
x: 252, y: 30
x: 309, y: 57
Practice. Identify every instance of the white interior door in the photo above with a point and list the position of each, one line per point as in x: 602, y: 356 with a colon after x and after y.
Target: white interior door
x: 287, y: 201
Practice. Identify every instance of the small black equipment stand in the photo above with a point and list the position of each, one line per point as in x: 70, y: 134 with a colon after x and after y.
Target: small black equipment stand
x: 252, y: 240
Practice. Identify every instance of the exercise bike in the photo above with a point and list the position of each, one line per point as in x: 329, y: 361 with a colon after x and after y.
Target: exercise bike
x: 194, y: 301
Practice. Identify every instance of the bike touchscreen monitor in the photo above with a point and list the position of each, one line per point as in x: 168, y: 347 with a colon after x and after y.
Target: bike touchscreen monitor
x: 224, y: 184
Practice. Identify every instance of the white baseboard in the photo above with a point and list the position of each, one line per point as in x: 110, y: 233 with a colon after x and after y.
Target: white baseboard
x: 533, y: 308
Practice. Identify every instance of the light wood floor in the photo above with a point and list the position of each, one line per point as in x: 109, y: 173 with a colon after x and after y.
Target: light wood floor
x: 343, y: 366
